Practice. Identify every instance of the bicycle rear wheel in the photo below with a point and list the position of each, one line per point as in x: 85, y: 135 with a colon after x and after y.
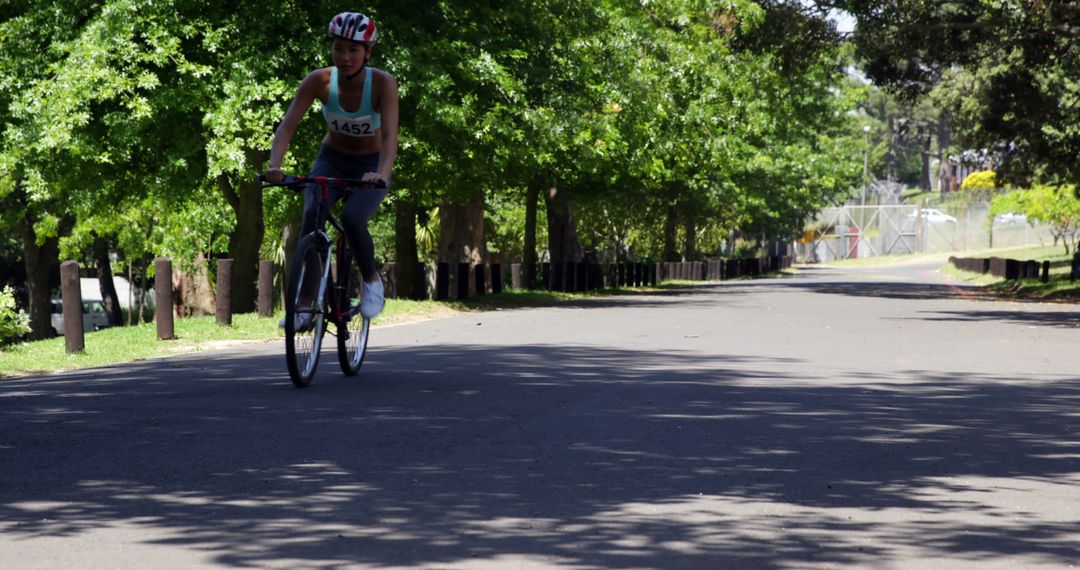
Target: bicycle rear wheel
x: 353, y: 328
x: 304, y: 316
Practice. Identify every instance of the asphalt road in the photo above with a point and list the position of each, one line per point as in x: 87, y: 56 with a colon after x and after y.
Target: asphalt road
x: 870, y: 417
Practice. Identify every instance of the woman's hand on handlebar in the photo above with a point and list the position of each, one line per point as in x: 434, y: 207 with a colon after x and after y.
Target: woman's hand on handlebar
x: 273, y: 175
x: 374, y: 179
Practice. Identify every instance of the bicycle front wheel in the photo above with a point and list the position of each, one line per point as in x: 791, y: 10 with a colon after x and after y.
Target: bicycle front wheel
x: 304, y: 316
x: 353, y: 328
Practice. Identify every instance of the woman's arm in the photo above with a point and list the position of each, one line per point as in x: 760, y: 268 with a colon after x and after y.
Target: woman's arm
x: 302, y: 101
x: 389, y: 147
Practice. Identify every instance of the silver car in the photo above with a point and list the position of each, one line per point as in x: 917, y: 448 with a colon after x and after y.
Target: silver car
x: 933, y: 216
x: 94, y: 316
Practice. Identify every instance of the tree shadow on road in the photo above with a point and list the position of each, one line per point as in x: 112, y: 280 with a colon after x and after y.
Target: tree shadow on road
x: 1057, y: 317
x: 560, y: 455
x: 906, y: 290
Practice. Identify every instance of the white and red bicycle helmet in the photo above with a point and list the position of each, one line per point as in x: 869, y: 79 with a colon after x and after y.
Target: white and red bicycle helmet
x: 353, y: 26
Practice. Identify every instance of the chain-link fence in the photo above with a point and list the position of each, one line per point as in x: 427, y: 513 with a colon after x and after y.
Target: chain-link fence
x: 848, y: 232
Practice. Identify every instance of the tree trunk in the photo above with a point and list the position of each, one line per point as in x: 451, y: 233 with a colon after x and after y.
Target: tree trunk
x: 246, y: 200
x: 105, y: 282
x: 924, y: 179
x: 563, y: 243
x: 891, y: 158
x: 461, y: 232
x: 193, y: 294
x: 671, y: 219
x: 139, y: 282
x: 690, y: 239
x: 406, y: 256
x: 946, y: 177
x: 529, y: 258
x: 42, y: 273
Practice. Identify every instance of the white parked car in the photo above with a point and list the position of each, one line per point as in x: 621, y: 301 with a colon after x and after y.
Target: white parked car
x: 1010, y: 218
x: 94, y: 316
x: 933, y: 216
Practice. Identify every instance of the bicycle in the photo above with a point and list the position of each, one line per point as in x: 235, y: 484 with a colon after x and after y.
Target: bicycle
x: 310, y: 300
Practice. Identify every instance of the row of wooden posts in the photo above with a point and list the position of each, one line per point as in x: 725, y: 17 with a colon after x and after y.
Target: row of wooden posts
x: 71, y: 295
x: 1010, y: 269
x: 570, y: 277
x: 575, y: 276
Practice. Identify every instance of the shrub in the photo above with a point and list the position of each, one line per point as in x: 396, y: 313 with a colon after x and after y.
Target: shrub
x: 14, y: 322
x: 981, y: 180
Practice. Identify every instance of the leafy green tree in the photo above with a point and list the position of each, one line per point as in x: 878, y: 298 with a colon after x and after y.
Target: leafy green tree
x: 27, y: 37
x: 1056, y: 206
x: 1004, y: 66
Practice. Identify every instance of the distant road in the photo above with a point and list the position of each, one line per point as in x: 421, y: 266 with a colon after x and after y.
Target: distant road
x: 866, y: 417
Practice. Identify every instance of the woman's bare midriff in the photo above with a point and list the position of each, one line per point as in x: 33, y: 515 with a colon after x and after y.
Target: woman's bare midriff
x: 354, y: 145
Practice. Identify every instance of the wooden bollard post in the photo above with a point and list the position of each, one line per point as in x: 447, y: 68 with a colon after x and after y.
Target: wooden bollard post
x: 163, y: 310
x: 515, y: 276
x: 224, y: 292
x: 442, y: 281
x: 496, y: 278
x: 557, y: 276
x: 481, y: 281
x: 1046, y: 271
x: 420, y: 284
x: 462, y: 281
x: 71, y: 295
x: 266, y: 288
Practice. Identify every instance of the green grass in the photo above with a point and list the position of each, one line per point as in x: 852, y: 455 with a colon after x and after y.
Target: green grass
x: 128, y: 344
x: 1040, y: 253
x: 1058, y: 288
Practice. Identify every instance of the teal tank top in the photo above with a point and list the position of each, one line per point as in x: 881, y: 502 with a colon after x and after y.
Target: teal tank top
x: 363, y: 123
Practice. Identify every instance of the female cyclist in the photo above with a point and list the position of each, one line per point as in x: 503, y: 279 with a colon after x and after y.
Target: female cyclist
x: 360, y: 105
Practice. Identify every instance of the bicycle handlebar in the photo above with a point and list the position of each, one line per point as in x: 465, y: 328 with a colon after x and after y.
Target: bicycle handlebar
x: 298, y: 182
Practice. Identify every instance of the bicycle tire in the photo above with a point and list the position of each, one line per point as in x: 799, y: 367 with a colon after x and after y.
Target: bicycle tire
x: 353, y: 328
x: 303, y: 344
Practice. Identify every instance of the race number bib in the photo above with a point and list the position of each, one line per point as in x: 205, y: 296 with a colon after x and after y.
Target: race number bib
x: 351, y: 126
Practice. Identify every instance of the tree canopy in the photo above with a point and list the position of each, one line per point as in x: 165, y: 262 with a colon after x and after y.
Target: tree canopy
x: 1005, y: 70
x: 143, y: 123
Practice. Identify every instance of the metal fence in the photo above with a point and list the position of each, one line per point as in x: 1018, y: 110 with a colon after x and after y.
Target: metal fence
x: 848, y: 232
